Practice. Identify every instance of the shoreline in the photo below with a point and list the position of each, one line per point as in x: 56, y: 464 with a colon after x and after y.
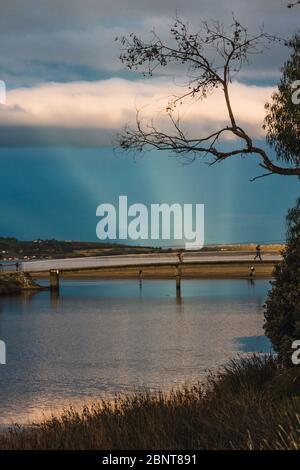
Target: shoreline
x: 12, y: 283
x: 223, y: 413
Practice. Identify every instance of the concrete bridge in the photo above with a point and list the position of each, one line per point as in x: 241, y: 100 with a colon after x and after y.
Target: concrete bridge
x: 155, y: 260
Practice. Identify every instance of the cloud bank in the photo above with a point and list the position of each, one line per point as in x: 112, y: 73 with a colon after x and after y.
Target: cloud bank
x: 45, y: 40
x: 91, y: 113
x: 68, y: 87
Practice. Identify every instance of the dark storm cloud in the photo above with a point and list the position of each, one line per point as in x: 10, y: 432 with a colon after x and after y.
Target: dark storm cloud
x: 35, y: 34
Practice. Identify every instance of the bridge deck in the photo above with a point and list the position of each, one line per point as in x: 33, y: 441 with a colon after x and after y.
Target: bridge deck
x: 155, y: 259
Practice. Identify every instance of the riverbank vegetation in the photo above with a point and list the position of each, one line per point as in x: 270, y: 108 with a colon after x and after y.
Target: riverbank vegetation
x: 282, y: 307
x: 249, y: 404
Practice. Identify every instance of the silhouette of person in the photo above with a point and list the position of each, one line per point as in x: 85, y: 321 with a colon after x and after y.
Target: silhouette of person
x: 252, y: 272
x: 258, y: 253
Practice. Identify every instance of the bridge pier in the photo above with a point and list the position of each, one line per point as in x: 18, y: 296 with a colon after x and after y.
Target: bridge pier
x: 141, y: 277
x: 178, y: 280
x: 54, y: 280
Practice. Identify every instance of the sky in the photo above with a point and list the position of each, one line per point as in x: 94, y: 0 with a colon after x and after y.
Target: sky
x: 68, y: 95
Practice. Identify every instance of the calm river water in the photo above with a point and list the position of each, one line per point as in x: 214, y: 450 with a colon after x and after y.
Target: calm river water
x: 100, y: 337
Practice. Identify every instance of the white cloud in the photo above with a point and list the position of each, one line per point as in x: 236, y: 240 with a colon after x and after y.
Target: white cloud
x: 110, y: 104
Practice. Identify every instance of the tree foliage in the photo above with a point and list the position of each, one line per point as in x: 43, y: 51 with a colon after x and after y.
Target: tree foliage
x: 282, y: 121
x: 282, y: 309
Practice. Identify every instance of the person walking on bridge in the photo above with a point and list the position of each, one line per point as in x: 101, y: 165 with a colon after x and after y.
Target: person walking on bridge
x: 180, y: 257
x: 258, y: 253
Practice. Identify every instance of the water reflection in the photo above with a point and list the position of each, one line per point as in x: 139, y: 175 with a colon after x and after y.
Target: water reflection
x: 101, y: 337
x: 54, y: 297
x: 252, y: 344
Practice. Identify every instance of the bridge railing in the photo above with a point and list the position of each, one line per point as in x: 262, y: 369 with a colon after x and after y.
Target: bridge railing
x: 98, y: 262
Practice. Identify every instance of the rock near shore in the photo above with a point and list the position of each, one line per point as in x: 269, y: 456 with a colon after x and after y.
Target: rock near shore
x: 15, y: 283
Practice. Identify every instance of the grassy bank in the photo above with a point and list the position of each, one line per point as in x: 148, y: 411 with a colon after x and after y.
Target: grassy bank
x: 250, y: 404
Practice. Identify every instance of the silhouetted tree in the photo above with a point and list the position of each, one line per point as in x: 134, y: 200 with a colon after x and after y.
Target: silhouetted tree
x: 210, y: 58
x: 282, y: 309
x: 282, y: 122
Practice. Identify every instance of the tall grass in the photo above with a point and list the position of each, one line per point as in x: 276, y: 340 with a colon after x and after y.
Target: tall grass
x: 250, y: 404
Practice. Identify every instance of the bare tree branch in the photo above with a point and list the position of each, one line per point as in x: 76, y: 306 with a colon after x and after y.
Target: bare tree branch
x: 211, y: 58
x: 261, y: 176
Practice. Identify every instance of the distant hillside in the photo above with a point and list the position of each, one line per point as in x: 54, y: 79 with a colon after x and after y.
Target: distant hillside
x: 11, y: 248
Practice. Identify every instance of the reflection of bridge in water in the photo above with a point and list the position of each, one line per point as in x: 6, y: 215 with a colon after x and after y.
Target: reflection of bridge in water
x: 190, y: 264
